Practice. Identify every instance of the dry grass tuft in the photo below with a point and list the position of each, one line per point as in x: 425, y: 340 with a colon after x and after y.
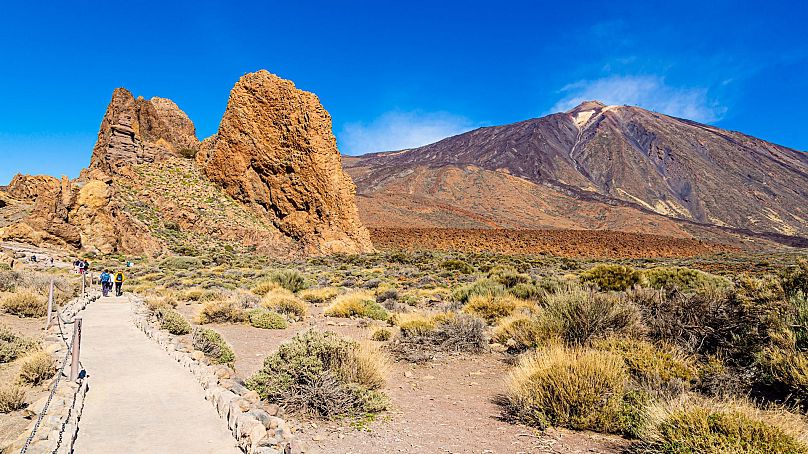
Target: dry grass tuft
x: 221, y: 311
x: 37, y: 367
x: 12, y: 398
x: 491, y: 308
x: 285, y: 302
x: 693, y: 424
x: 25, y: 303
x: 576, y: 388
x: 357, y: 304
x: 319, y: 295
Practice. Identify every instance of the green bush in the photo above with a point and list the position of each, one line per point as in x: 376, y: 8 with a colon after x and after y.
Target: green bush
x: 213, y: 345
x: 173, y: 322
x: 458, y: 266
x: 481, y: 287
x: 682, y: 279
x: 381, y: 335
x: 652, y: 366
x: 526, y: 291
x: 323, y: 374
x: 580, y: 316
x: 508, y: 276
x: 262, y: 318
x: 612, y: 277
x: 291, y: 280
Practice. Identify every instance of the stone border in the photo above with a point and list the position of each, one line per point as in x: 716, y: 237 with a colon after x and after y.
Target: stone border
x: 59, y: 427
x: 257, y: 427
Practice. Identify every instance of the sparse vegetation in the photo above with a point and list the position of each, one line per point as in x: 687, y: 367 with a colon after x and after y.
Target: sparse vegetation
x: 221, y: 311
x: 420, y: 336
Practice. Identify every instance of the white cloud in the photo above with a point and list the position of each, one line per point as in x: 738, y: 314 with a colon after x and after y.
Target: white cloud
x: 649, y: 92
x: 399, y: 130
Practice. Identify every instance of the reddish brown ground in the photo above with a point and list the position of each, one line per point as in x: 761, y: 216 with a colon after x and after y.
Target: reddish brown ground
x: 569, y: 243
x: 445, y: 406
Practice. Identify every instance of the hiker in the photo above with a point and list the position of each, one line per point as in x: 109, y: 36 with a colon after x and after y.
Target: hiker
x: 85, y: 267
x: 106, y: 283
x: 119, y: 283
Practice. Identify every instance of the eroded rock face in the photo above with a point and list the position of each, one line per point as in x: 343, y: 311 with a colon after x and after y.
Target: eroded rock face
x: 275, y: 152
x: 135, y: 131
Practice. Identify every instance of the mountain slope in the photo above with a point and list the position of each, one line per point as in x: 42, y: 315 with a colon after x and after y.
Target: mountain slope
x: 594, y: 167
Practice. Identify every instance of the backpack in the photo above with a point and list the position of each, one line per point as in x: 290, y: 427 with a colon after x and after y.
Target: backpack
x: 105, y: 277
x: 119, y: 277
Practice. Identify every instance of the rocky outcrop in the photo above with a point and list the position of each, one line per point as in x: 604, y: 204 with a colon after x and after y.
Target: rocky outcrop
x: 136, y: 131
x: 275, y: 152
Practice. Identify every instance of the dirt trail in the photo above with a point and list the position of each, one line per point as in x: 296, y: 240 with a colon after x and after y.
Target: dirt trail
x: 140, y: 401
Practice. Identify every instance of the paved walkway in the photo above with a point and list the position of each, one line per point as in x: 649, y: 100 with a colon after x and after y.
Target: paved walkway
x: 140, y: 400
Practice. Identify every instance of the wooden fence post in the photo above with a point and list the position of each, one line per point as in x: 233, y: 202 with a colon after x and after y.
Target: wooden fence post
x: 50, y: 306
x: 74, y: 365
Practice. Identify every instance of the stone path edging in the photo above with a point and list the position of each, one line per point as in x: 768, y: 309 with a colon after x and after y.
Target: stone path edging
x: 59, y: 427
x: 254, y: 428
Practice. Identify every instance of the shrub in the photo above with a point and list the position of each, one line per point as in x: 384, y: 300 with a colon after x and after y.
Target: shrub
x: 356, y: 304
x: 525, y: 291
x: 735, y: 324
x: 265, y: 286
x: 12, y: 345
x: 213, y: 345
x: 284, y: 302
x: 481, y: 287
x: 458, y: 266
x: 795, y: 279
x: 575, y: 388
x: 381, y: 335
x: 492, y: 308
x: 447, y: 332
x: 612, y: 277
x: 181, y: 262
x: 520, y: 333
x: 319, y: 295
x: 291, y: 280
x: 262, y: 318
x: 323, y: 374
x: 508, y: 276
x: 221, y: 311
x: 26, y: 303
x: 682, y: 279
x: 694, y: 425
x: 201, y: 295
x: 651, y: 365
x: 12, y: 398
x: 37, y: 367
x: 173, y: 322
x: 788, y: 369
x: 579, y: 315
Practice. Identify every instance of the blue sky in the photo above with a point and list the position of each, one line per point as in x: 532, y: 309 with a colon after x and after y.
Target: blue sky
x: 397, y: 74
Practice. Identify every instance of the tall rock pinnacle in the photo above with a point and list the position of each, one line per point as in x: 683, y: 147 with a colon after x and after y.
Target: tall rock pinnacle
x: 275, y: 152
